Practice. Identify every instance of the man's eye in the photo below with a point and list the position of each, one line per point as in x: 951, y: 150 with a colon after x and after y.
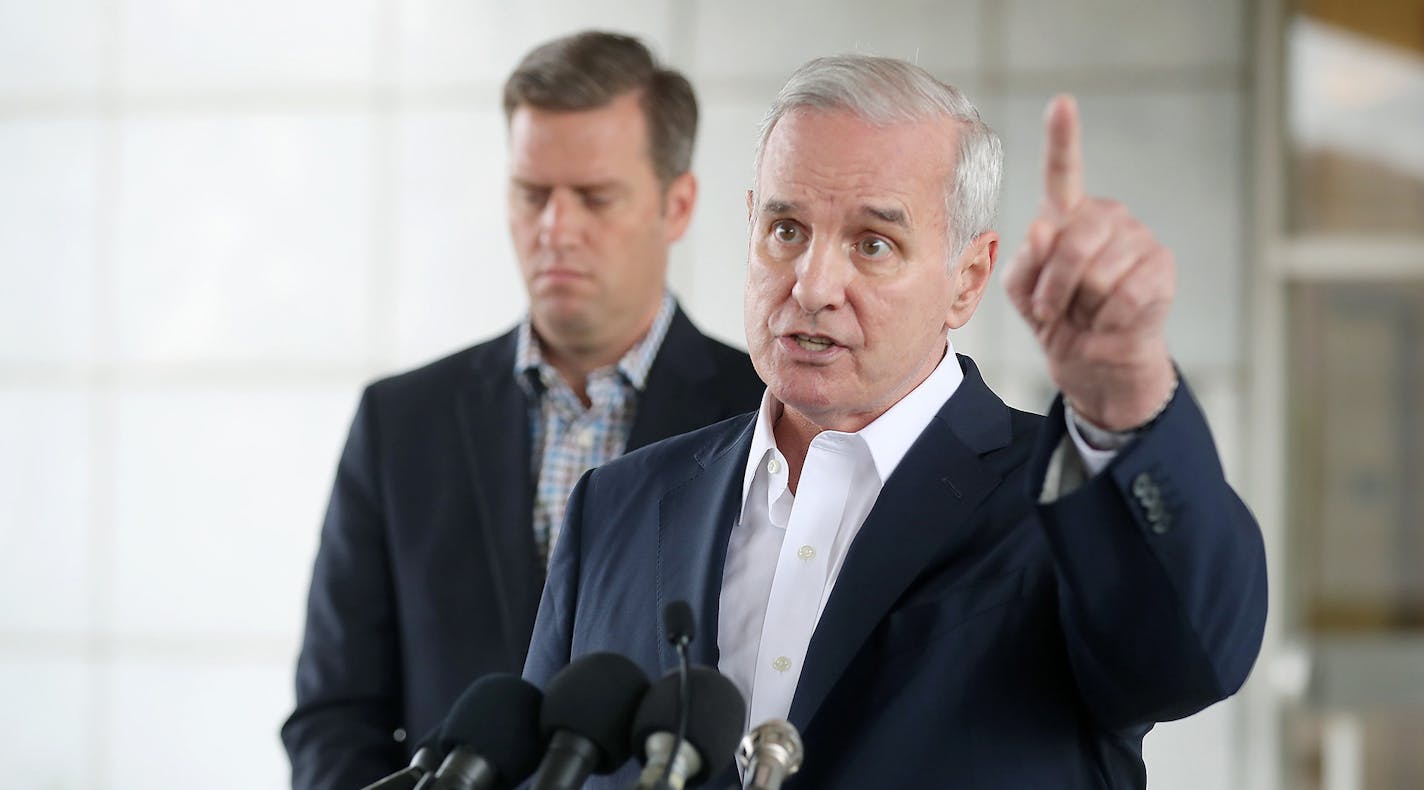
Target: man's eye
x: 786, y: 232
x: 534, y: 197
x: 873, y: 247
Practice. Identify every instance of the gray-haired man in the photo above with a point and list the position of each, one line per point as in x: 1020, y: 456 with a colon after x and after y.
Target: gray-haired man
x: 936, y: 589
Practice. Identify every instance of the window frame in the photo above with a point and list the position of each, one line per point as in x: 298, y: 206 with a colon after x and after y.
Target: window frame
x: 1295, y: 670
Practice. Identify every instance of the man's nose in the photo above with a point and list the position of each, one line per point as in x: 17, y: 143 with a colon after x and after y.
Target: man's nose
x: 561, y: 222
x: 822, y: 275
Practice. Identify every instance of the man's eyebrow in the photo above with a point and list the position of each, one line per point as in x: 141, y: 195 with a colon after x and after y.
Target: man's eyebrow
x: 593, y: 186
x: 894, y: 216
x: 601, y: 186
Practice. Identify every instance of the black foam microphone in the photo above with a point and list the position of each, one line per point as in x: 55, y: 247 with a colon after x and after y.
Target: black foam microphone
x: 587, y: 713
x: 426, y: 759
x: 492, y: 734
x: 678, y: 623
x: 714, y: 710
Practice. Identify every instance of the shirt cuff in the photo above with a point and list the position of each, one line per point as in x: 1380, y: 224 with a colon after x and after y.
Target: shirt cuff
x: 1084, y: 452
x: 1096, y: 446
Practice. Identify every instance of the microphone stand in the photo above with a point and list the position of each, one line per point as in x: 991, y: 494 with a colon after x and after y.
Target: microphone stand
x: 683, y: 703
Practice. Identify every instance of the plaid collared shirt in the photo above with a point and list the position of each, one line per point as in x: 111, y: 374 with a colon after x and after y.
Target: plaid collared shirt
x: 568, y: 439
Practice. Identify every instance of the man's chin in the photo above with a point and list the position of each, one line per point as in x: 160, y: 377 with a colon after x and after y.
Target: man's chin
x: 813, y: 403
x: 563, y: 318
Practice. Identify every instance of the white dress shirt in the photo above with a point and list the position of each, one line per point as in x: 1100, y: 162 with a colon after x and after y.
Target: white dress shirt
x: 786, y: 550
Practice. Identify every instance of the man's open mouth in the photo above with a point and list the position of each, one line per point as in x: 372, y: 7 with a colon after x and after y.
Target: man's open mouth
x: 813, y: 343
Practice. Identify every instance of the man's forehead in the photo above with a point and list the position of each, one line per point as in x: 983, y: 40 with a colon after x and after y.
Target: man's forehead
x: 838, y: 151
x: 802, y: 127
x: 618, y: 125
x: 599, y: 146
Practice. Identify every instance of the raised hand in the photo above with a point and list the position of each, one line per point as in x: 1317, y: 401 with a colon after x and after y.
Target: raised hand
x: 1095, y: 286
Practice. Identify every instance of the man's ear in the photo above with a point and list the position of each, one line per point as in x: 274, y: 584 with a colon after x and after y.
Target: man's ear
x: 750, y: 198
x: 971, y: 277
x: 679, y: 198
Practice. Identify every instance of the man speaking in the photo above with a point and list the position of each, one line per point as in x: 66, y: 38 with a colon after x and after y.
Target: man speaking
x: 936, y: 589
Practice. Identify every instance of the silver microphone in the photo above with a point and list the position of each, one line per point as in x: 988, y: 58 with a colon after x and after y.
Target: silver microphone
x: 769, y: 754
x: 686, y: 762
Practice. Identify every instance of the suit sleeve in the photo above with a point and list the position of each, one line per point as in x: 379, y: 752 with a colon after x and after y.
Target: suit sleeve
x: 1161, y: 573
x: 552, y: 643
x: 348, y: 675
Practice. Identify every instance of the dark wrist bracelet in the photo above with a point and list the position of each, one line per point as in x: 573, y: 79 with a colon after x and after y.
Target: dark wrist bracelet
x: 1082, y: 421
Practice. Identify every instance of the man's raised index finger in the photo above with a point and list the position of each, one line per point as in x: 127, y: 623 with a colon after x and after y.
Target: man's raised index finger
x: 1063, y: 155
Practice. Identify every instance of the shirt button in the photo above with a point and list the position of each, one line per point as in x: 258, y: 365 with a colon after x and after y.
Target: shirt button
x: 806, y: 553
x: 585, y: 437
x: 781, y: 663
x: 773, y: 465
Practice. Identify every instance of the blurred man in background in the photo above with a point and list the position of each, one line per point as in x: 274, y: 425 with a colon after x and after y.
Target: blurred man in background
x: 451, y: 489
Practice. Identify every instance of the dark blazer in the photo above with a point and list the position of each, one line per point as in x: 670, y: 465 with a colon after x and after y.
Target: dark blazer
x: 974, y: 639
x: 427, y: 574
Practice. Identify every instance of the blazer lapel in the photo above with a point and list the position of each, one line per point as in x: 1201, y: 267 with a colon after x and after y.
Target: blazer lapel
x: 496, y: 444
x: 673, y: 399
x: 695, y: 521
x: 923, y: 509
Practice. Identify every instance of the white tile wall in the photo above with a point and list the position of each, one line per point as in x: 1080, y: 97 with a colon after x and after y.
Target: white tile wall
x: 244, y: 238
x: 46, y: 442
x: 445, y: 42
x: 191, y: 45
x: 219, y: 498
x: 47, y: 726
x: 50, y: 48
x: 751, y: 39
x: 175, y: 722
x: 1124, y: 33
x: 455, y: 272
x: 48, y: 224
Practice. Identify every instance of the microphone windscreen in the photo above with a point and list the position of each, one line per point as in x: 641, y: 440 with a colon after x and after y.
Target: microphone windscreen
x: 714, y: 717
x: 596, y: 697
x: 497, y: 718
x: 678, y: 623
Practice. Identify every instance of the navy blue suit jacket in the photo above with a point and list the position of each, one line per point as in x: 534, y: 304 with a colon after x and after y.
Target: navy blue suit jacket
x: 427, y: 576
x: 974, y: 638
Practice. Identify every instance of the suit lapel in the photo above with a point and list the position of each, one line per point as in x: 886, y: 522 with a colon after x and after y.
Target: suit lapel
x: 495, y: 437
x: 674, y: 398
x: 695, y: 521
x: 923, y: 511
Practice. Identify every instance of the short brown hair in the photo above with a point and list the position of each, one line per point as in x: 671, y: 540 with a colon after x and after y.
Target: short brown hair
x: 588, y: 70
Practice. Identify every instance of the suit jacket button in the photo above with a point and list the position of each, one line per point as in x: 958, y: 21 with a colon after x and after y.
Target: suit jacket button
x: 1152, y: 500
x: 1141, y: 485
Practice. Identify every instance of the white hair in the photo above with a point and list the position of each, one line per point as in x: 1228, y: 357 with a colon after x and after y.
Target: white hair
x: 883, y: 91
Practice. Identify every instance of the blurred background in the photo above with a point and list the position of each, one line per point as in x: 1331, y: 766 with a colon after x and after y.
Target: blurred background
x: 218, y: 220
